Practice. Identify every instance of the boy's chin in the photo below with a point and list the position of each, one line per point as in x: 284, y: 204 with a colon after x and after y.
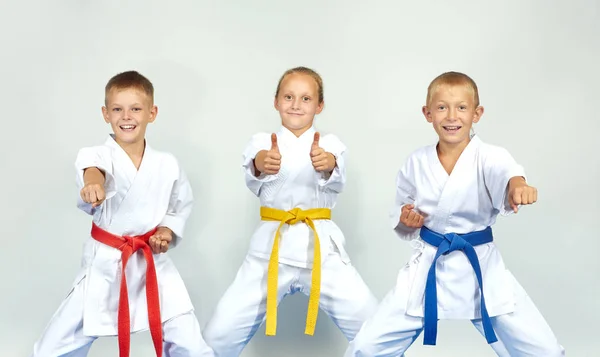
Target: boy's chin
x: 129, y: 138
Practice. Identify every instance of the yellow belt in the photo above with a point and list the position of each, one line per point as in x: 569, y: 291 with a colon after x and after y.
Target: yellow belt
x: 292, y: 217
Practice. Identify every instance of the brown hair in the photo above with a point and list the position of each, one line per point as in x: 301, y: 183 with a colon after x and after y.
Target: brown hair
x: 453, y: 79
x: 130, y: 80
x: 307, y: 71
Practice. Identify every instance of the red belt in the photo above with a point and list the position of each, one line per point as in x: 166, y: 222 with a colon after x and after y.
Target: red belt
x: 129, y: 245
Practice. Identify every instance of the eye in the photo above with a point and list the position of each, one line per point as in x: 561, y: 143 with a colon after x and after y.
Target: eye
x: 463, y: 107
x: 116, y: 109
x: 306, y: 99
x: 287, y: 97
x: 137, y: 109
x: 441, y: 107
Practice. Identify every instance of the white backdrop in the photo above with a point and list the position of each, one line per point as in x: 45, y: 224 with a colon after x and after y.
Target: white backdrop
x: 215, y: 66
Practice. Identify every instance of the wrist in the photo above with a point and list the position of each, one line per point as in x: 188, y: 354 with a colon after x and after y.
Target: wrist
x: 517, y: 181
x: 334, y: 162
x: 164, y: 229
x: 93, y: 176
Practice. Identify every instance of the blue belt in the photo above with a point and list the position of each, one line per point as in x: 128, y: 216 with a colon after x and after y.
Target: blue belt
x: 447, y: 243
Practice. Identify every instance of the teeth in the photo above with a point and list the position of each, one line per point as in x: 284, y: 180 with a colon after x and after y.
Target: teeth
x: 127, y: 127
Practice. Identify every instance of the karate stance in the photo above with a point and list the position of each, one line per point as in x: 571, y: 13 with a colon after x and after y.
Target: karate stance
x: 297, y: 175
x: 448, y: 196
x: 139, y: 199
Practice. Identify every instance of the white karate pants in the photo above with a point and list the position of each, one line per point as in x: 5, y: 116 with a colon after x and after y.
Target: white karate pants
x: 344, y: 297
x: 63, y: 336
x: 390, y: 331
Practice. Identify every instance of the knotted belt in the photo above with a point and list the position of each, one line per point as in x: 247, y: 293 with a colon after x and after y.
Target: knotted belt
x: 447, y: 243
x: 128, y: 245
x: 293, y: 216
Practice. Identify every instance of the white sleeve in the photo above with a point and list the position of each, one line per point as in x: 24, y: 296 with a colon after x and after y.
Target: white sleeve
x: 405, y: 194
x: 498, y: 168
x: 337, y: 179
x: 180, y: 207
x: 258, y: 142
x: 101, y: 158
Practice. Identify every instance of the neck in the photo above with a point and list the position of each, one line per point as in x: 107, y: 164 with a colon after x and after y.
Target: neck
x: 451, y: 151
x: 298, y: 132
x: 135, y: 150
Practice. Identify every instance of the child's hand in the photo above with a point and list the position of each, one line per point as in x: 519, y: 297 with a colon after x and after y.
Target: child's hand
x: 410, y: 218
x: 93, y: 193
x: 159, y: 242
x: 322, y: 161
x: 269, y: 162
x: 520, y: 193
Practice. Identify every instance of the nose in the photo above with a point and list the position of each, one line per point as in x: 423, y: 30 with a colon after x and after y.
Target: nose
x: 452, y: 113
x: 296, y: 103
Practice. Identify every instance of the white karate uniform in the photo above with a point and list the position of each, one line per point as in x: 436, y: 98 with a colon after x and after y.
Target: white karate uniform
x: 344, y: 295
x: 468, y: 200
x: 158, y: 194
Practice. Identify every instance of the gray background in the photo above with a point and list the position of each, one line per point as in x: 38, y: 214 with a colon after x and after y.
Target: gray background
x: 215, y: 66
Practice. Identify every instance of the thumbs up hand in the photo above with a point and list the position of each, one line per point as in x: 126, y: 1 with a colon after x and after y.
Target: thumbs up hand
x: 274, y: 147
x: 322, y: 161
x: 268, y: 161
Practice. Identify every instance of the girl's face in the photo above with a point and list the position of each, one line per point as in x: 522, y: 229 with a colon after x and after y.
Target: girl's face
x: 298, y: 102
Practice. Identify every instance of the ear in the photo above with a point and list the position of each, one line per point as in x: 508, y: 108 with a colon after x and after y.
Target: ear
x: 427, y: 114
x: 276, y: 104
x: 153, y: 113
x: 105, y: 114
x: 320, y: 107
x: 478, y: 114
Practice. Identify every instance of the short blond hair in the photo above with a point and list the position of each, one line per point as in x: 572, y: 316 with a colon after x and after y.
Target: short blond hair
x: 130, y: 80
x: 307, y: 71
x: 453, y: 79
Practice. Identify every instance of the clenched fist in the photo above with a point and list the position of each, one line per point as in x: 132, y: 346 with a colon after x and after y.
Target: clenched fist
x: 93, y: 189
x: 410, y: 218
x: 520, y: 193
x: 93, y: 193
x: 159, y: 241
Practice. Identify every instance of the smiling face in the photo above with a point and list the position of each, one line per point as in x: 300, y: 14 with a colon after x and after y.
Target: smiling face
x: 128, y: 111
x: 452, y: 109
x: 298, y: 101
